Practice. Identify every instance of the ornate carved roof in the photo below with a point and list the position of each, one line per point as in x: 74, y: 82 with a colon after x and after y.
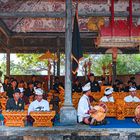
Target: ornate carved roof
x: 26, y: 26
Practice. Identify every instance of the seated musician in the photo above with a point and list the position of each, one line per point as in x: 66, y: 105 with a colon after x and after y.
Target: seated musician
x: 77, y: 87
x: 30, y: 90
x: 132, y: 79
x: 57, y: 84
x: 84, y: 107
x: 115, y: 85
x: 23, y: 97
x: 12, y: 88
x: 15, y: 103
x: 129, y: 85
x: 107, y: 95
x: 132, y: 97
x: 39, y: 104
x: 95, y: 87
x: 119, y: 87
x: 6, y: 84
x: 33, y: 80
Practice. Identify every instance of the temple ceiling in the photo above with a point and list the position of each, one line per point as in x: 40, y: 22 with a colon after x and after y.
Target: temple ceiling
x: 56, y: 24
x: 33, y: 32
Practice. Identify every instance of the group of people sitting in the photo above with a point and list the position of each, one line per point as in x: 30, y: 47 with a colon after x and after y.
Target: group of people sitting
x: 85, y: 110
x: 118, y: 86
x: 19, y: 94
x: 108, y: 97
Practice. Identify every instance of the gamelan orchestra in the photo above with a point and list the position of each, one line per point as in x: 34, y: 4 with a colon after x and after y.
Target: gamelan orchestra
x: 29, y: 101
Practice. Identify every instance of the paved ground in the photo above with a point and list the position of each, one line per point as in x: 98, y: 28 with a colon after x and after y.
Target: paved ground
x: 77, y: 132
x: 65, y: 130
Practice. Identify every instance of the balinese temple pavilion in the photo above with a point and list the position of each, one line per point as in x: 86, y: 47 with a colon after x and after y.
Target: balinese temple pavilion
x: 36, y: 26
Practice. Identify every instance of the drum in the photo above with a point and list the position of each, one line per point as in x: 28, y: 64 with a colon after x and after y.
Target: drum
x: 103, y: 106
x: 137, y: 112
x: 100, y: 114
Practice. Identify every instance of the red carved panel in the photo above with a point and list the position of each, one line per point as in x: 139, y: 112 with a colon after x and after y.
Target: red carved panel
x: 121, y: 28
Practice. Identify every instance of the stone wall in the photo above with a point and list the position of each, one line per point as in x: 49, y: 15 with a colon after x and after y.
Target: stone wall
x: 77, y: 132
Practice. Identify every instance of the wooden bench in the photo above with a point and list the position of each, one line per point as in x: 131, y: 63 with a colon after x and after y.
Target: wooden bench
x: 42, y: 119
x: 14, y: 118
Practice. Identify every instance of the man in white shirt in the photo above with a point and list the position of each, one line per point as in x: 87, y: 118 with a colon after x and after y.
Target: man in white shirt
x: 84, y: 107
x: 108, y: 95
x: 132, y: 97
x: 39, y: 104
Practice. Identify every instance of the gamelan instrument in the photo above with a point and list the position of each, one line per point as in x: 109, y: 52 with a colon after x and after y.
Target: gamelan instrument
x: 100, y: 113
x: 14, y: 117
x: 137, y: 112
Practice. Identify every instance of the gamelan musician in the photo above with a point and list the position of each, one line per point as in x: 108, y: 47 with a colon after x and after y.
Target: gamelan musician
x: 88, y: 114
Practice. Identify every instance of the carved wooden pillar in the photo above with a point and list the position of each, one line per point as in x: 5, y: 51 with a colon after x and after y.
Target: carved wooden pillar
x: 114, y: 59
x: 58, y: 56
x: 8, y: 63
x: 58, y: 63
x: 49, y: 75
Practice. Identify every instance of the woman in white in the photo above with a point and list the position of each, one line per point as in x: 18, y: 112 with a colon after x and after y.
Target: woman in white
x: 39, y: 104
x: 107, y: 95
x: 132, y: 97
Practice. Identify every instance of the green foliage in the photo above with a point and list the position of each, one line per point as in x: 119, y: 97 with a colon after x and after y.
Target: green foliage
x: 28, y: 64
x: 126, y: 64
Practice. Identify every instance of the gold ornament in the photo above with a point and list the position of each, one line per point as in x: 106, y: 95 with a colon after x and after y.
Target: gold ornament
x: 95, y: 23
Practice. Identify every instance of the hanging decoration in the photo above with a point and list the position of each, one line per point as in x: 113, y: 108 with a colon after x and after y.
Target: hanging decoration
x: 49, y: 57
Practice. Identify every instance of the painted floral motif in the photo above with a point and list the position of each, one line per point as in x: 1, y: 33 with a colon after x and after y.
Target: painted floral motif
x: 55, y: 24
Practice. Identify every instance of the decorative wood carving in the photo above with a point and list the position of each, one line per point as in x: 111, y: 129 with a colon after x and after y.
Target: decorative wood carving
x: 130, y: 109
x: 111, y: 112
x: 3, y: 102
x: 14, y: 118
x: 120, y: 109
x: 43, y: 118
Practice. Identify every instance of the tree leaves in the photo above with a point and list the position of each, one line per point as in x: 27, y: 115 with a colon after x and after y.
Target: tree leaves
x: 29, y: 64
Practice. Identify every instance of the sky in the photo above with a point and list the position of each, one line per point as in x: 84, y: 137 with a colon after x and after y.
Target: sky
x: 13, y: 57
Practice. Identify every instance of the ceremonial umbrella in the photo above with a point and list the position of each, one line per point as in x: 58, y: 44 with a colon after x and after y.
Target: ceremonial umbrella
x: 50, y: 57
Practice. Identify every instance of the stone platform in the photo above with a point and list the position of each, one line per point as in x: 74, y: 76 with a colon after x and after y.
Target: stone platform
x: 77, y: 132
